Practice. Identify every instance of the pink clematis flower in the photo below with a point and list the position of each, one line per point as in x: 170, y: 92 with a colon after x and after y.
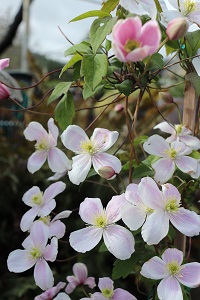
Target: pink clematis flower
x: 41, y: 204
x: 4, y: 91
x: 142, y: 7
x: 179, y: 132
x: 118, y: 240
x: 90, y: 151
x: 106, y: 287
x: 80, y: 277
x: 45, y: 148
x: 171, y: 156
x: 172, y: 273
x: 132, y: 41
x: 37, y: 252
x: 51, y: 293
x: 4, y: 62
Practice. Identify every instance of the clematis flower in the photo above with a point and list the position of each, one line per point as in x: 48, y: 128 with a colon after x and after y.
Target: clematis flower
x: 37, y: 252
x: 142, y: 7
x: 41, y: 204
x: 118, y: 240
x: 90, y: 151
x: 4, y: 91
x: 179, y: 132
x: 132, y: 41
x: 106, y: 286
x: 45, y: 148
x: 172, y: 273
x: 165, y: 206
x: 80, y: 277
x: 171, y: 156
x: 4, y: 62
x: 51, y: 293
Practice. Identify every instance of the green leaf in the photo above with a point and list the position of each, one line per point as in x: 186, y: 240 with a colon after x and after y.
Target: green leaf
x: 195, y: 154
x: 99, y: 30
x: 87, y: 92
x: 171, y: 233
x: 140, y: 140
x: 193, y: 39
x: 122, y: 268
x: 194, y: 79
x: 142, y: 171
x: 127, y: 165
x: 150, y: 160
x: 109, y: 5
x: 103, y: 248
x: 125, y: 87
x: 156, y: 61
x: 91, y: 13
x: 60, y: 89
x: 70, y: 63
x: 93, y: 68
x: 64, y: 111
x: 82, y: 48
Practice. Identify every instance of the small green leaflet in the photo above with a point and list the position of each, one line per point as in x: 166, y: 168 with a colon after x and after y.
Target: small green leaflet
x: 64, y: 111
x: 109, y: 5
x: 91, y: 13
x: 60, y: 89
x: 81, y: 48
x: 70, y: 63
x: 125, y: 87
x: 194, y: 79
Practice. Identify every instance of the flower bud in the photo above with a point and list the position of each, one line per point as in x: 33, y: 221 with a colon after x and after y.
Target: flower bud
x: 4, y: 91
x: 177, y: 28
x: 166, y: 97
x: 106, y: 172
x: 118, y: 108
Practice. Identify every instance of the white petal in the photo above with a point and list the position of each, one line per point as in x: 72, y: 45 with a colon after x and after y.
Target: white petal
x: 28, y: 218
x: 169, y: 289
x: 113, y: 209
x: 104, y: 139
x: 34, y: 131
x: 190, y: 275
x: 58, y: 161
x: 156, y: 145
x: 154, y: 268
x: 53, y: 129
x: 72, y: 137
x: 106, y: 160
x: 165, y: 127
x: 80, y: 168
x: 133, y: 216
x: 62, y: 215
x: 187, y: 164
x: 27, y: 197
x: 170, y: 191
x: 51, y: 250
x: 164, y: 170
x: 90, y: 208
x: 19, y: 261
x: 191, y: 141
x: 36, y: 160
x: 39, y: 234
x: 57, y: 229
x: 53, y: 190
x: 131, y: 193
x: 43, y: 275
x: 171, y: 254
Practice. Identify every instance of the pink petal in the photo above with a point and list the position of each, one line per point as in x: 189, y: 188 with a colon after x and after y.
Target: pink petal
x: 104, y: 160
x: 186, y: 164
x: 137, y: 54
x: 58, y: 161
x: 154, y: 268
x: 120, y: 294
x: 53, y: 190
x: 80, y: 168
x: 47, y: 208
x: 164, y: 169
x: 133, y: 216
x: 62, y: 215
x: 186, y: 221
x: 113, y: 209
x: 165, y: 127
x: 27, y: 197
x: 36, y: 160
x: 155, y: 228
x: 72, y: 138
x: 105, y: 283
x: 119, y: 241
x: 90, y: 208
x: 35, y: 131
x: 51, y: 250
x: 85, y: 239
x: 19, y: 261
x: 57, y: 229
x: 4, y: 91
x: 28, y: 218
x: 71, y: 285
x: 53, y: 130
x: 131, y: 193
x: 80, y: 271
x: 172, y: 254
x: 90, y: 281
x: 39, y: 234
x: 156, y: 145
x: 190, y: 275
x: 180, y: 148
x: 4, y: 62
x: 169, y: 289
x: 191, y: 141
x: 104, y: 139
x: 43, y: 275
x: 151, y: 36
x: 170, y: 191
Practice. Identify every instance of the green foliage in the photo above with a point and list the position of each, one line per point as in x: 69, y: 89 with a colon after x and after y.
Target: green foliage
x: 142, y: 171
x: 109, y: 5
x: 125, y: 87
x: 194, y: 79
x: 82, y: 48
x: 156, y: 62
x: 193, y: 42
x: 64, y: 111
x: 77, y: 57
x: 60, y: 89
x: 122, y: 268
x: 195, y: 154
x: 91, y: 13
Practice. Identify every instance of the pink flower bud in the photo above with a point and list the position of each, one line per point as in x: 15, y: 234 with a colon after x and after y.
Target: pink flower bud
x: 177, y: 28
x: 118, y: 108
x: 106, y: 172
x: 166, y: 97
x: 4, y: 63
x: 4, y: 91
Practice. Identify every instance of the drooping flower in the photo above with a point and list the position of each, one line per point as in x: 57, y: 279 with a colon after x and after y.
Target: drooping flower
x: 41, y: 204
x: 106, y: 286
x: 45, y: 148
x: 36, y: 252
x: 142, y: 7
x: 132, y: 41
x: 171, y: 156
x: 179, y: 132
x: 90, y: 151
x: 177, y: 28
x: 4, y: 62
x: 118, y: 240
x: 80, y: 277
x: 51, y: 293
x: 172, y: 273
x: 4, y: 91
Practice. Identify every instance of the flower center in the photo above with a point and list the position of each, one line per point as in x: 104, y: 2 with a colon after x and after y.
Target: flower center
x: 178, y: 128
x: 189, y: 6
x: 46, y: 220
x: 37, y: 199
x: 149, y: 210
x: 172, y: 205
x: 42, y: 145
x: 107, y: 293
x: 131, y: 45
x: 100, y: 221
x: 171, y: 153
x: 173, y: 267
x: 87, y: 147
x: 35, y: 253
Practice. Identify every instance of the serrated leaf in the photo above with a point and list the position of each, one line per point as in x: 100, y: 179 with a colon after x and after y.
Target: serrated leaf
x: 194, y: 79
x: 142, y: 171
x: 109, y: 5
x: 122, y: 268
x: 99, y: 30
x: 71, y: 62
x: 64, y: 111
x: 125, y: 87
x: 82, y: 48
x: 60, y: 89
x: 91, y: 13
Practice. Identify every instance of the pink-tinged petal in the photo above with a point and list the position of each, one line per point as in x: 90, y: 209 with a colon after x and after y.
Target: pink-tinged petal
x: 90, y: 281
x: 131, y: 193
x: 151, y: 35
x: 90, y: 208
x: 119, y: 52
x: 96, y: 296
x: 113, y: 209
x: 4, y: 62
x: 53, y: 190
x: 50, y: 293
x: 172, y: 254
x: 165, y: 127
x: 28, y: 218
x: 186, y: 164
x: 169, y: 15
x: 104, y: 139
x: 105, y: 283
x: 19, y: 261
x: 155, y: 228
x: 62, y: 215
x: 133, y: 216
x: 35, y: 131
x: 196, y: 174
x: 85, y: 239
x: 62, y: 296
x: 186, y: 221
x: 154, y: 268
x: 170, y: 191
x: 119, y: 241
x: 106, y: 160
x: 43, y: 275
x: 164, y: 170
x: 27, y: 197
x: 71, y: 285
x: 169, y: 289
x: 80, y: 168
x: 156, y: 145
x: 36, y: 160
x: 190, y: 275
x: 51, y: 251
x: 72, y: 137
x: 39, y: 234
x: 4, y: 91
x: 150, y: 194
x: 191, y: 141
x: 120, y: 294
x: 80, y: 271
x: 53, y: 130
x: 180, y: 148
x: 47, y: 208
x: 57, y: 229
x: 138, y: 54
x: 58, y: 161
x: 57, y: 176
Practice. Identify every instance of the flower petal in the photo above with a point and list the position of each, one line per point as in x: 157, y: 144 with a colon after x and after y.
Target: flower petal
x: 80, y: 271
x: 104, y: 159
x: 19, y: 261
x: 80, y: 168
x: 131, y: 193
x: 164, y: 169
x: 113, y: 209
x: 39, y: 234
x: 43, y: 275
x: 186, y: 164
x: 4, y: 62
x: 57, y: 229
x: 58, y: 161
x: 122, y: 294
x: 53, y: 190
x: 53, y: 129
x: 51, y: 250
x: 190, y: 275
x: 27, y: 197
x: 154, y: 268
x: 165, y: 127
x: 170, y: 191
x: 169, y: 289
x: 156, y: 145
x: 151, y: 36
x: 172, y: 254
x: 35, y: 131
x: 133, y: 216
x: 62, y: 296
x: 36, y: 160
x: 105, y: 283
x: 90, y: 208
x: 119, y: 241
x: 191, y: 141
x: 62, y: 215
x: 47, y: 208
x: 104, y: 139
x: 28, y: 218
x: 72, y: 137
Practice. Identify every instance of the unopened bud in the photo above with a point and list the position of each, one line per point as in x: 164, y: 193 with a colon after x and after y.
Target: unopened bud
x: 177, y: 28
x: 118, y: 108
x: 166, y: 97
x: 106, y: 172
x: 4, y: 92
